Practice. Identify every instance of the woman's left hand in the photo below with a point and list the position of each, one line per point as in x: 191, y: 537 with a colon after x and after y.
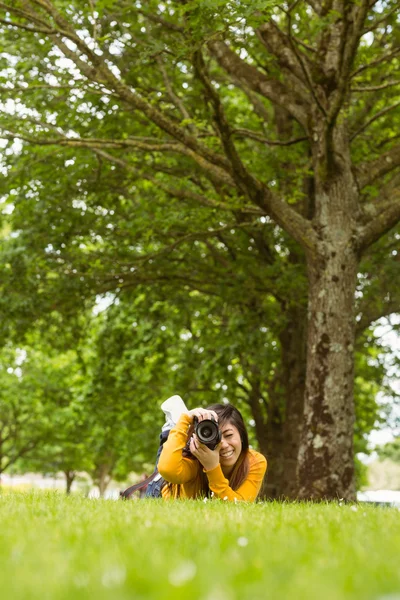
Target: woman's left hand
x: 208, y: 458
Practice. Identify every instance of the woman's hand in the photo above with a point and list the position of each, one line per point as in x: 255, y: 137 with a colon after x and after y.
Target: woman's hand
x: 202, y: 414
x: 208, y: 458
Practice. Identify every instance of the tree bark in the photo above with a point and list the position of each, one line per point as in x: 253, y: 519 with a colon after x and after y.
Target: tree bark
x: 294, y: 358
x: 69, y: 477
x: 274, y: 451
x: 326, y: 462
x: 103, y: 479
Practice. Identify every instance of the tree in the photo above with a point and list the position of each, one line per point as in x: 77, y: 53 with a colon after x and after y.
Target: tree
x: 33, y: 403
x: 391, y: 450
x: 66, y: 450
x: 285, y: 115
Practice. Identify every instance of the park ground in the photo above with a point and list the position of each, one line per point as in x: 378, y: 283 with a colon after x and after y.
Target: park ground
x: 56, y: 547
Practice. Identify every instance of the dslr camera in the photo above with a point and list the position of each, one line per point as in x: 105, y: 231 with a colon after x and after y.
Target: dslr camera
x: 208, y: 432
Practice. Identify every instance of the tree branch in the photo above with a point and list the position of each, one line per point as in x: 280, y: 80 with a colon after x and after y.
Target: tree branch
x: 27, y: 27
x: 244, y: 180
x: 101, y: 73
x: 259, y: 138
x: 376, y: 87
x: 376, y: 24
x: 349, y: 45
x: 162, y: 21
x: 380, y: 223
x: 368, y: 172
x: 256, y: 81
x: 374, y: 118
x: 281, y: 46
x: 383, y: 58
x: 174, y: 97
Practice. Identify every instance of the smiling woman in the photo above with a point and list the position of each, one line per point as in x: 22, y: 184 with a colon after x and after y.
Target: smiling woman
x: 231, y: 471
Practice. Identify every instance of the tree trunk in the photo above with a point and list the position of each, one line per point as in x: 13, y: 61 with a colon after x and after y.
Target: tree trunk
x: 294, y: 358
x: 326, y: 462
x: 274, y: 451
x: 69, y: 477
x: 278, y: 435
x: 103, y: 479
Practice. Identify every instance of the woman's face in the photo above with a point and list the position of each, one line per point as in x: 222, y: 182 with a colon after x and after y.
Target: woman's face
x: 231, y: 445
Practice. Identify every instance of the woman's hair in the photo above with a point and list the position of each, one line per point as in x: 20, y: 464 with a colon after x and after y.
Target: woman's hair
x: 229, y: 414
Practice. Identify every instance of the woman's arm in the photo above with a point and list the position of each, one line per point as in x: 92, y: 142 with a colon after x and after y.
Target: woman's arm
x: 174, y: 467
x: 249, y: 489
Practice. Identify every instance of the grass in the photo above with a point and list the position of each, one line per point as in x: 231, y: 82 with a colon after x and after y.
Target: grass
x: 58, y: 548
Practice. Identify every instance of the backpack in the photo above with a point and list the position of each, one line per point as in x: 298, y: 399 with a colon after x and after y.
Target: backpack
x: 172, y: 408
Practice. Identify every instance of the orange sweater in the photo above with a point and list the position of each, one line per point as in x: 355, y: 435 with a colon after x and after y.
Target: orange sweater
x: 185, y: 473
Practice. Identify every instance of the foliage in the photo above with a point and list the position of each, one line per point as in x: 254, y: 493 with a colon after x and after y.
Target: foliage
x: 35, y: 402
x: 391, y: 450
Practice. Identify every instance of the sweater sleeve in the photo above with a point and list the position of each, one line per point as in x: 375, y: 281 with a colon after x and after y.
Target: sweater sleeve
x: 249, y: 489
x: 172, y: 465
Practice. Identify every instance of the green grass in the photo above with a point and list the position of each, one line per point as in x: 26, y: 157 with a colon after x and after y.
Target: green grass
x: 53, y: 547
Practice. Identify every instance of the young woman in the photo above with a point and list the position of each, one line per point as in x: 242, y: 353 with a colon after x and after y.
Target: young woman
x: 231, y: 472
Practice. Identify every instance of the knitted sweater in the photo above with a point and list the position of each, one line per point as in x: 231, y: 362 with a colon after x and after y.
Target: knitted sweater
x: 185, y: 473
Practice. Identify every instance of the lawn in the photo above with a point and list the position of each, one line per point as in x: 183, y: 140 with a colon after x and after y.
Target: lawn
x: 58, y: 548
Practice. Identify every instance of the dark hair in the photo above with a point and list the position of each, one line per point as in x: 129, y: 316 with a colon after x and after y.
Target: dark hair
x: 227, y: 413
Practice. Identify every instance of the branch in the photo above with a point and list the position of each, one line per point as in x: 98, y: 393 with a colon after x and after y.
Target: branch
x: 376, y: 87
x: 256, y: 81
x: 174, y: 97
x: 259, y: 138
x: 214, y: 173
x: 101, y: 73
x: 200, y: 235
x: 380, y: 223
x: 199, y: 199
x: 350, y: 44
x: 374, y: 118
x: 245, y: 181
x: 368, y: 172
x: 296, y: 58
x: 162, y: 21
x: 380, y: 60
x: 30, y: 446
x: 370, y: 314
x: 281, y: 46
x: 99, y: 143
x: 27, y: 28
x: 376, y: 24
x: 24, y: 14
x: 96, y: 144
x: 291, y: 221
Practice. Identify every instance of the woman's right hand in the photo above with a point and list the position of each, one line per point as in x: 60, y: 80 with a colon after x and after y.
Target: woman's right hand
x: 202, y: 414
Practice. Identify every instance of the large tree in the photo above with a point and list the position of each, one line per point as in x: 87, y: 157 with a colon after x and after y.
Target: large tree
x: 274, y: 122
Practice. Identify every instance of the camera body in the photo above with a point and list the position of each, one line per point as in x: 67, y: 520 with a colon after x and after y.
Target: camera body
x: 207, y: 432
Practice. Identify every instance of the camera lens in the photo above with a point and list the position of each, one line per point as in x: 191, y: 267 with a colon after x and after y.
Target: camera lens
x: 206, y: 432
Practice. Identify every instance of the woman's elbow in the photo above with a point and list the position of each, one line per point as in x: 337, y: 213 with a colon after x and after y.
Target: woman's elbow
x: 166, y: 471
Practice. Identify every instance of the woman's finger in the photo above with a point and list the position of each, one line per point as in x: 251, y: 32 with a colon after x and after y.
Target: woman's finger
x: 192, y: 446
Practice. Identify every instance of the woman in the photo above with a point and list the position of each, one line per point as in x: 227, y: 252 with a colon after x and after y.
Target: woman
x: 231, y: 472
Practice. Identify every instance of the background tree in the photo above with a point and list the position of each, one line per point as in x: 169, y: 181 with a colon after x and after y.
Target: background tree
x: 34, y: 403
x: 249, y: 118
x: 391, y: 450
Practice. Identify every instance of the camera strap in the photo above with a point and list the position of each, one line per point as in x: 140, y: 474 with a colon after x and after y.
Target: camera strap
x: 126, y: 494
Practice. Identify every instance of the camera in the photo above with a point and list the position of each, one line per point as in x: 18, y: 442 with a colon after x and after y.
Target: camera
x: 208, y: 432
